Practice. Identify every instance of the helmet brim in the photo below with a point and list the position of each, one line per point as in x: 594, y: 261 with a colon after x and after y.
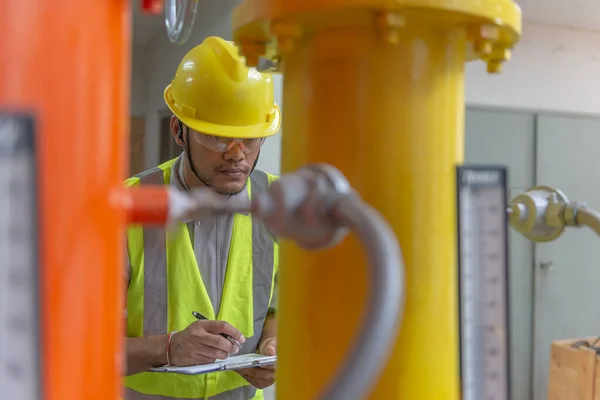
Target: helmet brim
x: 229, y: 131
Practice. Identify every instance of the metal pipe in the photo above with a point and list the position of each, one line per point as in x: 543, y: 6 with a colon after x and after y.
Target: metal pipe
x: 180, y: 16
x: 367, y: 358
x: 542, y: 213
x: 313, y: 207
x: 590, y: 218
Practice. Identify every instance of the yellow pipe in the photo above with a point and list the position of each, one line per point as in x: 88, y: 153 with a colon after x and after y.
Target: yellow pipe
x: 380, y: 95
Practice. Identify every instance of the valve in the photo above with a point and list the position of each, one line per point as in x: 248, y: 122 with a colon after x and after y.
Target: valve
x: 542, y: 213
x: 300, y: 206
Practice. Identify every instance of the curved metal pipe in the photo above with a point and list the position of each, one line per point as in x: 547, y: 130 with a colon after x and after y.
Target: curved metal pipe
x: 590, y: 218
x: 180, y: 16
x: 314, y: 207
x: 372, y: 347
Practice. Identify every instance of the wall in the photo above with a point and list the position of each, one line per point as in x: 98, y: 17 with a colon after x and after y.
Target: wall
x: 138, y: 82
x: 552, y: 69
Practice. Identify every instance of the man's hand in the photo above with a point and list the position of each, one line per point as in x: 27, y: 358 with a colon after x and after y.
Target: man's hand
x: 262, y: 377
x: 201, y: 343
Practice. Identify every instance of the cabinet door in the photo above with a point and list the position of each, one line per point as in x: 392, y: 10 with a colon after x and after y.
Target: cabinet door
x: 567, y: 270
x: 507, y: 138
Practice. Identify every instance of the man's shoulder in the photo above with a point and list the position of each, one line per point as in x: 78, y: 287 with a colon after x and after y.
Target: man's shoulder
x: 155, y: 175
x: 270, y: 177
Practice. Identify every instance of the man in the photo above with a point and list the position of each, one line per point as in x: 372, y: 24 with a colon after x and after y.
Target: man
x: 223, y: 267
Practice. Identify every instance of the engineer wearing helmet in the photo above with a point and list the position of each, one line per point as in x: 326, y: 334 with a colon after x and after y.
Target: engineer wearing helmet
x: 223, y: 267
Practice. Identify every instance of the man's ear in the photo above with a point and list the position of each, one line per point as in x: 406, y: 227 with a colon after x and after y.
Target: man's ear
x: 177, y: 130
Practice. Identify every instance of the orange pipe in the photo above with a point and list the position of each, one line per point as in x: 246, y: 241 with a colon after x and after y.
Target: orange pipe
x: 67, y: 63
x: 144, y: 205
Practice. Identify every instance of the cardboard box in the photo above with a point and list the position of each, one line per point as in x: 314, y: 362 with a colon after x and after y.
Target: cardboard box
x: 574, y: 371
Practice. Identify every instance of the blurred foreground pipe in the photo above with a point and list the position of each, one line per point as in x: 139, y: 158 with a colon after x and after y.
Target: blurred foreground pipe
x: 143, y: 205
x: 66, y: 63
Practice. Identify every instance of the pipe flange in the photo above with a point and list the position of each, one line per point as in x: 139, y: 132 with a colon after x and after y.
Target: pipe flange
x: 336, y: 179
x: 529, y: 213
x: 298, y: 206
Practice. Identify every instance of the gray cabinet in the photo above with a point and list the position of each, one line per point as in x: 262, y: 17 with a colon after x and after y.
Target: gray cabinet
x: 554, y: 286
x: 567, y: 270
x: 508, y: 138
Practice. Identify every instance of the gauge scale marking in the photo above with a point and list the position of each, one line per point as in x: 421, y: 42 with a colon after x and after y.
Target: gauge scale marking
x: 19, y: 272
x: 483, y: 282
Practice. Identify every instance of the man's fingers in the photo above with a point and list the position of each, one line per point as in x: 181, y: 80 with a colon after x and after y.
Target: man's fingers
x: 257, y: 378
x: 200, y: 359
x: 261, y: 383
x: 271, y: 367
x: 260, y: 373
x: 194, y: 359
x: 226, y: 328
x: 218, y: 342
x: 269, y: 347
x: 270, y: 350
x: 211, y: 352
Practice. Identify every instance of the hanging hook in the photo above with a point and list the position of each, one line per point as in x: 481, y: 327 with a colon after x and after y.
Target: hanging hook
x: 180, y: 16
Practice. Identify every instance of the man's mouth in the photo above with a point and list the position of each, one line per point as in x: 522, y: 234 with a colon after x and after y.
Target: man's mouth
x: 233, y: 172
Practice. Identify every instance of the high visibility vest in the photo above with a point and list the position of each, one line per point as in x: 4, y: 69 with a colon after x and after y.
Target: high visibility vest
x: 166, y: 286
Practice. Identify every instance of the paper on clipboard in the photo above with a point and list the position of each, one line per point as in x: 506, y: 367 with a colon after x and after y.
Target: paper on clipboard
x: 230, y: 364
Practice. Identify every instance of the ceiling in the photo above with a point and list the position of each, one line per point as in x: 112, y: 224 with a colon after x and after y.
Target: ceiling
x: 575, y: 14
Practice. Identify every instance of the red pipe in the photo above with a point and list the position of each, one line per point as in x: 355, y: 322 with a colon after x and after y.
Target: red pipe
x: 152, y: 6
x: 147, y: 205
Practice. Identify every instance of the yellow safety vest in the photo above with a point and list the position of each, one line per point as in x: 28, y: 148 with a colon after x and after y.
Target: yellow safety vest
x: 165, y: 286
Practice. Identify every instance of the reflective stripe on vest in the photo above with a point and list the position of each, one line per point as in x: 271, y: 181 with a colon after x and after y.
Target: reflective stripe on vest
x: 162, y: 260
x: 244, y: 392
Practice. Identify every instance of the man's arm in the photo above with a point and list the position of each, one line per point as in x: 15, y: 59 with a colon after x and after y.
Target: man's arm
x: 269, y: 328
x: 143, y: 353
x: 199, y: 343
x: 262, y: 377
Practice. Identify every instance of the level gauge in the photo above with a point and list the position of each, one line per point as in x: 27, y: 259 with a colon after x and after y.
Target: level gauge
x: 483, y: 282
x: 20, y: 363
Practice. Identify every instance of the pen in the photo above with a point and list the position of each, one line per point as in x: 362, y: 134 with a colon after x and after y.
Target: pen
x: 199, y: 316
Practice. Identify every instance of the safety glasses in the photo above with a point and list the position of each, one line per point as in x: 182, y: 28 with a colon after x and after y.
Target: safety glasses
x: 223, y: 145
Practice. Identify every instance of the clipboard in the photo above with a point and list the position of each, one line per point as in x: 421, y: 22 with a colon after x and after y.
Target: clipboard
x: 230, y: 364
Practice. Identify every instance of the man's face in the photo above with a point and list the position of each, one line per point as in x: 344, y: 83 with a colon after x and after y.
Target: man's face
x: 226, y: 172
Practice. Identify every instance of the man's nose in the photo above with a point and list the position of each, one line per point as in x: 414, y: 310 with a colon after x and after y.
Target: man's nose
x: 234, y: 152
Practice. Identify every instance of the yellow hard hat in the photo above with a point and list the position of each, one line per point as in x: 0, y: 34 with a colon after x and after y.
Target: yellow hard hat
x: 213, y: 92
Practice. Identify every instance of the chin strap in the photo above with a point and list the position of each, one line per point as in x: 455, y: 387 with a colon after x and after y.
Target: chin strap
x: 186, y: 151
